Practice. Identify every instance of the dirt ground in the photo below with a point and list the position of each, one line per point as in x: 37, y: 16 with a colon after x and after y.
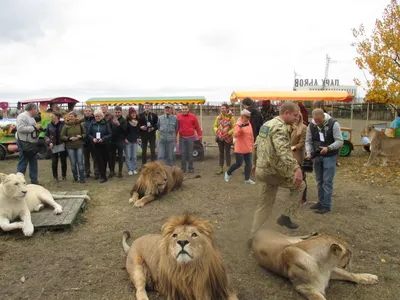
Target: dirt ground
x: 88, y: 262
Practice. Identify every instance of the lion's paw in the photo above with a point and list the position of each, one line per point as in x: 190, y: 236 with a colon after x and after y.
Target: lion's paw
x: 28, y: 230
x: 39, y: 207
x: 142, y: 296
x: 58, y: 210
x: 138, y: 204
x: 367, y: 278
x: 131, y: 200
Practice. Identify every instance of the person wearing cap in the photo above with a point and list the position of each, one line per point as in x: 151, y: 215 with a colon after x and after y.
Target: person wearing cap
x: 132, y: 135
x: 27, y: 136
x: 243, y: 133
x: 148, y: 126
x: 168, y: 128
x: 256, y: 120
x: 188, y: 124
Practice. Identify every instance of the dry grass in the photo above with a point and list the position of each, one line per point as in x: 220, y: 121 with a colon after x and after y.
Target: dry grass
x: 88, y: 262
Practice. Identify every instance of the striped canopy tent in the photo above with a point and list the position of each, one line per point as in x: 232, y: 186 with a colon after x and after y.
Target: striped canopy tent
x: 142, y: 100
x: 333, y: 96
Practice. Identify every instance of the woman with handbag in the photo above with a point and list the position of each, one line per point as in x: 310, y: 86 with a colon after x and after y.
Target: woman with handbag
x: 53, y: 139
x: 223, y: 128
x: 73, y: 134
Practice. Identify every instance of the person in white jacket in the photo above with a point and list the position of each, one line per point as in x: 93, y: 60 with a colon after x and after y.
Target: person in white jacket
x: 27, y: 136
x: 323, y: 142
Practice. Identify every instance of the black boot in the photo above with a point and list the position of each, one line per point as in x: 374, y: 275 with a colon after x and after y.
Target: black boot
x: 316, y: 206
x: 286, y: 221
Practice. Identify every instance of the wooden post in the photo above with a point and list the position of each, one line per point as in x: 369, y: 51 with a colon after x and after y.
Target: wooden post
x: 367, y: 114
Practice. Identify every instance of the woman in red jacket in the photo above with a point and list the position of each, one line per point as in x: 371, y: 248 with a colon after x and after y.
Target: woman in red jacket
x: 244, y: 143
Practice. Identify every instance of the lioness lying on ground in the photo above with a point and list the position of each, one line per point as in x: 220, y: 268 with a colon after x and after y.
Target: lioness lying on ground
x: 155, y: 179
x: 181, y: 263
x: 309, y: 262
x: 381, y: 144
x: 18, y: 200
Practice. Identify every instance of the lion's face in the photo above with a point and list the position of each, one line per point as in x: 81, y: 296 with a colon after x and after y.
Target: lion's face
x: 365, y: 132
x: 157, y: 176
x: 188, y: 241
x: 14, y: 185
x: 186, y: 244
x: 342, y: 250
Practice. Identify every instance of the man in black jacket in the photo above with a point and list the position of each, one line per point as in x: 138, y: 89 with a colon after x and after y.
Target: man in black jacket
x: 255, y: 117
x: 148, y: 127
x: 88, y: 148
x: 118, y: 126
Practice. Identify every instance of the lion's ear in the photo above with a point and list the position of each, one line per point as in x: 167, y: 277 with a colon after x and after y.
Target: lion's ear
x: 3, y: 177
x: 21, y: 175
x: 206, y: 228
x: 336, y: 249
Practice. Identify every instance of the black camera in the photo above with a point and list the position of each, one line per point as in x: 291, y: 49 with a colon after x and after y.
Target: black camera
x: 307, y: 165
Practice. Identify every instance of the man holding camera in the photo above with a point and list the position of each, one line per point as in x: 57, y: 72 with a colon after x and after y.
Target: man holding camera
x: 27, y: 137
x: 323, y: 141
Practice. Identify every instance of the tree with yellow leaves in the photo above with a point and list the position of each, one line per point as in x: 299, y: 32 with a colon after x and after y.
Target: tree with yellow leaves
x: 379, y: 55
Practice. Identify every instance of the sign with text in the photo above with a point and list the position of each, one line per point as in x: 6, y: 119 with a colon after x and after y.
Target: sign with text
x: 314, y: 82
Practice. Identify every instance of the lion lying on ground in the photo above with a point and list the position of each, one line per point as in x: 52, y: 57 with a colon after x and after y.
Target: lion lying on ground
x: 181, y: 263
x: 155, y: 179
x: 381, y: 144
x: 309, y: 262
x: 18, y: 200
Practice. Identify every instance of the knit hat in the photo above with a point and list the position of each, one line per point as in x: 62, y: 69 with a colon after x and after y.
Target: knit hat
x: 245, y: 112
x: 131, y: 110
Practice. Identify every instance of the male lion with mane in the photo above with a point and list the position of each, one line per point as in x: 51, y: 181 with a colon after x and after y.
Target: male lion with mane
x: 309, y: 261
x: 381, y: 144
x: 181, y: 263
x: 155, y: 179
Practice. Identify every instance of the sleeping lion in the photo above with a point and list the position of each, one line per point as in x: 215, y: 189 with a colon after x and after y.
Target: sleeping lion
x: 309, y: 261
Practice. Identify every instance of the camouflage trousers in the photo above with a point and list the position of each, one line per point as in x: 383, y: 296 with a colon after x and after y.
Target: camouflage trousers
x: 268, y: 187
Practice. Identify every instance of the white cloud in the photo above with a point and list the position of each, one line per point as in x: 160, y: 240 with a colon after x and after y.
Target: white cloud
x: 90, y: 48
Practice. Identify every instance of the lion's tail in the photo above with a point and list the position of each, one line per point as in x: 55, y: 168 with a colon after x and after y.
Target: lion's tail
x: 194, y: 177
x: 125, y: 235
x: 86, y: 197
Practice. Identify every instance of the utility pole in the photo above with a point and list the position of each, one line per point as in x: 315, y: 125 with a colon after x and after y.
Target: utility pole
x: 327, y: 63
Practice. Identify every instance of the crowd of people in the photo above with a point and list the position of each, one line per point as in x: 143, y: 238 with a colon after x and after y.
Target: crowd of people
x: 101, y: 138
x: 272, y: 147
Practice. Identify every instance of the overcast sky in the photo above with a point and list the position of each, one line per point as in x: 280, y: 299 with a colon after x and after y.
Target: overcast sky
x: 89, y: 48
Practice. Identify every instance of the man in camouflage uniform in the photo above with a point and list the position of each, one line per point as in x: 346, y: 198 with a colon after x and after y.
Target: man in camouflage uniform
x: 275, y: 166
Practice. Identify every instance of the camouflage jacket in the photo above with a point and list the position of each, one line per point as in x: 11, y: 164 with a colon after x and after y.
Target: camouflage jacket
x: 272, y: 150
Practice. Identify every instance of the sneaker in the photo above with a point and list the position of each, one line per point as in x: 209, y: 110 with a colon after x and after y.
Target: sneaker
x: 120, y: 175
x: 55, y: 179
x: 191, y: 170
x: 323, y: 210
x: 130, y: 173
x: 135, y: 172
x: 249, y: 181
x: 303, y: 201
x: 64, y: 178
x: 220, y: 171
x: 227, y: 177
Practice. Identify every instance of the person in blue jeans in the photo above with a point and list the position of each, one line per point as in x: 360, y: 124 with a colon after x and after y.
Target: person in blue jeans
x: 323, y: 141
x: 73, y: 134
x: 28, y: 135
x: 167, y: 130
x: 132, y: 135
